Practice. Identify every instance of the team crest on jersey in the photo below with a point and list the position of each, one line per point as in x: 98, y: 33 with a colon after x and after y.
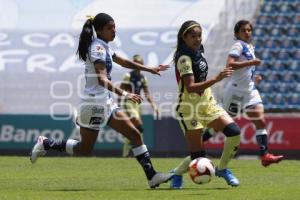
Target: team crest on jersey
x: 248, y: 54
x: 183, y: 61
x: 98, y: 51
x: 99, y: 48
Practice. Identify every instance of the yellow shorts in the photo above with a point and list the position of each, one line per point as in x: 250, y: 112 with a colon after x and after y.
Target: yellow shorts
x: 132, y: 109
x: 200, y: 118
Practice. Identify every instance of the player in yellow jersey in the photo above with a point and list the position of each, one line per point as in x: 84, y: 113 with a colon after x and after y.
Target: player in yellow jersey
x: 197, y: 107
x: 135, y: 82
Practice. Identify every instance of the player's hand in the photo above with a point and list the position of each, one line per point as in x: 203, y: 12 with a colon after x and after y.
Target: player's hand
x: 156, y: 70
x: 200, y: 92
x: 134, y: 97
x: 256, y: 62
x: 227, y: 72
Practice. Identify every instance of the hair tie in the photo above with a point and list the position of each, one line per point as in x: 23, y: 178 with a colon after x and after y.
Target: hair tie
x: 90, y: 17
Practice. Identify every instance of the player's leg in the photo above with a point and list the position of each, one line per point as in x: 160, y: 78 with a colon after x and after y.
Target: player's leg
x: 196, y: 149
x: 127, y: 145
x: 86, y: 145
x: 70, y: 146
x: 132, y: 110
x: 182, y: 168
x: 89, y: 123
x: 226, y: 125
x: 256, y: 114
x: 121, y: 123
x: 192, y: 130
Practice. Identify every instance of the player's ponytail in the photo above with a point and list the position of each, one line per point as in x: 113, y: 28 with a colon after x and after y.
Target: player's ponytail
x: 85, y: 39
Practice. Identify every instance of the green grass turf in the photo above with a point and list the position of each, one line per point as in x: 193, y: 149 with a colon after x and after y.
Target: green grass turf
x: 68, y: 178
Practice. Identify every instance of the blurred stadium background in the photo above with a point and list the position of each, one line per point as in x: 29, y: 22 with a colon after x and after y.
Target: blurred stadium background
x: 40, y: 78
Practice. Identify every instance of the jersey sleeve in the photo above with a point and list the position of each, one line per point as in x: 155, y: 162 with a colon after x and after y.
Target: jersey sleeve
x: 112, y: 52
x: 184, y: 65
x: 97, y: 53
x: 126, y: 79
x: 236, y: 50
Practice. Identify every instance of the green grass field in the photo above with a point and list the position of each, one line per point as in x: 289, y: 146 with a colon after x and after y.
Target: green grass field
x: 122, y: 178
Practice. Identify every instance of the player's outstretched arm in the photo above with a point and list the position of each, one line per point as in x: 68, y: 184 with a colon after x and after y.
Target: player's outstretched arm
x: 234, y: 64
x: 103, y: 81
x: 134, y: 65
x: 193, y: 87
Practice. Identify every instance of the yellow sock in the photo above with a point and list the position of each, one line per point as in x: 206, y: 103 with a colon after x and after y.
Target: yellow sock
x: 183, y: 166
x: 229, y: 150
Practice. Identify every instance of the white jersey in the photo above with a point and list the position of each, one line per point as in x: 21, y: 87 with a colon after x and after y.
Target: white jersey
x: 97, y: 105
x: 240, y: 92
x: 99, y: 51
x: 242, y: 79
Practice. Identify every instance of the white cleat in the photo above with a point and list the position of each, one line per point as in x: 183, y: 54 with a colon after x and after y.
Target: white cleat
x: 38, y: 149
x: 159, y: 178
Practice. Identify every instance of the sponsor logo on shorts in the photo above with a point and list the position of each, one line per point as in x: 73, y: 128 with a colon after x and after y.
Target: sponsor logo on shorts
x: 96, y: 121
x: 97, y: 110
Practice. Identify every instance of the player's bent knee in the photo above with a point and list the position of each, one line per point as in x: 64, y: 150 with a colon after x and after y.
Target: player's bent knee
x: 231, y: 130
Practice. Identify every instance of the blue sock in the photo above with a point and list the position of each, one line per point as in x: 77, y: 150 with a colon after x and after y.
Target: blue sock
x: 58, y: 145
x: 143, y: 157
x: 145, y: 162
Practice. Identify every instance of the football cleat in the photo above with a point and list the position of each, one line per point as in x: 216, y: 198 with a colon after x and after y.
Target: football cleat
x: 228, y: 176
x: 176, y: 182
x: 269, y: 159
x: 159, y: 178
x: 38, y: 149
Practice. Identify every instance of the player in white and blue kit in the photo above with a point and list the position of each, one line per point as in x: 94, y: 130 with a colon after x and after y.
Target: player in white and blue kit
x: 97, y: 107
x: 240, y: 94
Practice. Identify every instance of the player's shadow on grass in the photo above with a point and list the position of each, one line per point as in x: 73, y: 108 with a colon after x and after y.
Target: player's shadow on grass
x: 191, y: 189
x: 87, y: 190
x: 71, y: 190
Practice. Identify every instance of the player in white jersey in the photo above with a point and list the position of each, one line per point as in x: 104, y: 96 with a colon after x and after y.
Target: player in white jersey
x: 97, y: 108
x: 240, y: 94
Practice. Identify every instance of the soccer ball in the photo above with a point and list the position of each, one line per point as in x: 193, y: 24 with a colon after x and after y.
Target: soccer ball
x: 201, y: 170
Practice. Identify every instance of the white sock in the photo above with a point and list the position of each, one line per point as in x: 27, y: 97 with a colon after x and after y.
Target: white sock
x: 70, y: 145
x: 139, y: 150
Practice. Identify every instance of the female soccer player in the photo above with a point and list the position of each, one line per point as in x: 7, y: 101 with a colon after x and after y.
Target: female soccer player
x: 196, y: 107
x: 240, y: 94
x: 97, y: 107
x: 135, y: 82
